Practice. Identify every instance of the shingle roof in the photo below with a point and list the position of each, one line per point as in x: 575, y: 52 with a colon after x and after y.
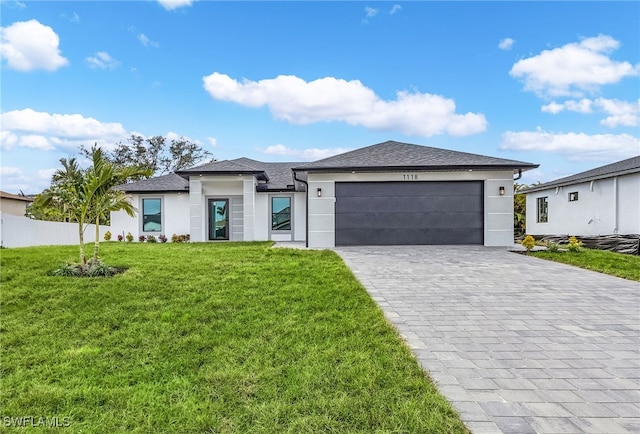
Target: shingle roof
x: 164, y: 183
x: 624, y: 167
x: 278, y: 176
x: 406, y: 156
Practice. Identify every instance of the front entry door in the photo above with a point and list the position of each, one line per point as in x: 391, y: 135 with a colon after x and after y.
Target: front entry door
x: 218, y: 219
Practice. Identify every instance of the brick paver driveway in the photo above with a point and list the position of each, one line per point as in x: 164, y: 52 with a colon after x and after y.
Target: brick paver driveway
x: 517, y: 344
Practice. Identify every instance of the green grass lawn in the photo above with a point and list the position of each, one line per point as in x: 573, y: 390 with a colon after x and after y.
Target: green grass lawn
x: 207, y: 338
x: 615, y: 264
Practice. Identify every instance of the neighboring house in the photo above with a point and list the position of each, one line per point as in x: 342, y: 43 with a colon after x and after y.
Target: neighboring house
x: 14, y: 204
x: 389, y: 193
x: 601, y: 201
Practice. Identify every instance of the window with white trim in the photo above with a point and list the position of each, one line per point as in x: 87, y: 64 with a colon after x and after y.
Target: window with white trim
x: 151, y: 214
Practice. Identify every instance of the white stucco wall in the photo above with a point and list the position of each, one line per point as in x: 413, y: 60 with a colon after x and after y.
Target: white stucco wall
x: 498, y: 210
x: 175, y: 216
x: 609, y: 206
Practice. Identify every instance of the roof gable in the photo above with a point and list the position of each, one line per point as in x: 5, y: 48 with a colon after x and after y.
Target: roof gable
x: 623, y: 167
x: 398, y: 155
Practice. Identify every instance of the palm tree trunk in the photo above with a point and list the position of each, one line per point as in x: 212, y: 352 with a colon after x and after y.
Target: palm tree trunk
x: 83, y: 256
x: 96, y: 244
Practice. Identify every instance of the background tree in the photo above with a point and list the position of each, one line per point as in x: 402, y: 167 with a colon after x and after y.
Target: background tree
x: 519, y: 209
x: 156, y: 153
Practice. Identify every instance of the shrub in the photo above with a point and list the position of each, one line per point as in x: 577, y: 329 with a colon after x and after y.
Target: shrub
x: 100, y: 269
x: 574, y: 244
x: 120, y: 237
x: 552, y: 247
x: 528, y: 243
x: 107, y: 235
x: 129, y: 237
x: 68, y: 270
x: 142, y: 238
x: 180, y: 238
x: 162, y: 238
x: 151, y: 239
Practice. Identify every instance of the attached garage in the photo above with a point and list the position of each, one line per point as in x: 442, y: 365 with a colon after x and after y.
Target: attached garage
x: 404, y: 213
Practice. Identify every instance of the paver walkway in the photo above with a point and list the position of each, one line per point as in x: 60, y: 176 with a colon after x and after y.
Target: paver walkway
x: 516, y: 344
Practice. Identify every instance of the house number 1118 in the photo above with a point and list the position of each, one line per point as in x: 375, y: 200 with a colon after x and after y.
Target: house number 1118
x: 410, y: 177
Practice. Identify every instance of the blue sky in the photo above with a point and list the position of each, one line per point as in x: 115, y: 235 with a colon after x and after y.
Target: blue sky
x: 552, y: 83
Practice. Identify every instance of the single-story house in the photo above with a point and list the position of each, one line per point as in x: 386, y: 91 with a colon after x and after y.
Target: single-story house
x: 388, y: 193
x: 14, y: 204
x: 601, y: 201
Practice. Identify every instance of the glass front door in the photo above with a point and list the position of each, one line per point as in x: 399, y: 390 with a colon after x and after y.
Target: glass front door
x: 218, y: 219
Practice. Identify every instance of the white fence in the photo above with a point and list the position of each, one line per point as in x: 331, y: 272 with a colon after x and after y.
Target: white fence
x: 18, y: 231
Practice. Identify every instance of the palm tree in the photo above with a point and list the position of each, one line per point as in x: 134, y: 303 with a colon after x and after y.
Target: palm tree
x: 102, y: 177
x: 88, y: 195
x: 70, y: 194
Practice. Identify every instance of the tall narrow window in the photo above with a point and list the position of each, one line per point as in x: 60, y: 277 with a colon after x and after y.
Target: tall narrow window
x: 543, y: 210
x: 281, y: 213
x: 152, y: 215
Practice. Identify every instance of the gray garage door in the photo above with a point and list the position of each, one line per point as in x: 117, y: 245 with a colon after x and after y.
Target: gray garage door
x: 381, y: 213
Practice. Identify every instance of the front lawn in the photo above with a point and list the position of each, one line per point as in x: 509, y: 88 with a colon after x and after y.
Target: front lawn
x: 615, y: 264
x: 195, y: 338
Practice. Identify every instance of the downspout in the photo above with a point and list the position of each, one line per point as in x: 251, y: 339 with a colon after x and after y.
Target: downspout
x: 615, y: 204
x: 519, y: 175
x: 306, y: 214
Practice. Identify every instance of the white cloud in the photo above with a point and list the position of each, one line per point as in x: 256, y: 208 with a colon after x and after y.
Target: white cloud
x: 296, y: 101
x: 40, y: 130
x: 552, y: 107
x: 620, y: 113
x: 7, y: 140
x: 623, y: 113
x: 395, y: 8
x: 29, y: 45
x: 174, y: 4
x: 10, y: 171
x: 369, y: 13
x: 308, y: 154
x: 506, y: 44
x: 102, y: 60
x: 213, y: 142
x: 175, y: 136
x: 35, y: 141
x: 144, y: 39
x: 45, y: 174
x: 576, y: 146
x: 64, y: 125
x: 573, y: 69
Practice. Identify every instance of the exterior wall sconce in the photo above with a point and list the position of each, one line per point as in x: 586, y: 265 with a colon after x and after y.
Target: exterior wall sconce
x: 501, y: 190
x: 319, y: 192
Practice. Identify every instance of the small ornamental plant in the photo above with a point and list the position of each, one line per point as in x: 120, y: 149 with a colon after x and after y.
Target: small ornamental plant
x: 120, y: 237
x: 129, y: 237
x: 107, y: 236
x: 552, y: 247
x: 575, y: 245
x: 151, y: 239
x: 162, y: 238
x: 142, y: 238
x: 528, y: 243
x: 180, y: 238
